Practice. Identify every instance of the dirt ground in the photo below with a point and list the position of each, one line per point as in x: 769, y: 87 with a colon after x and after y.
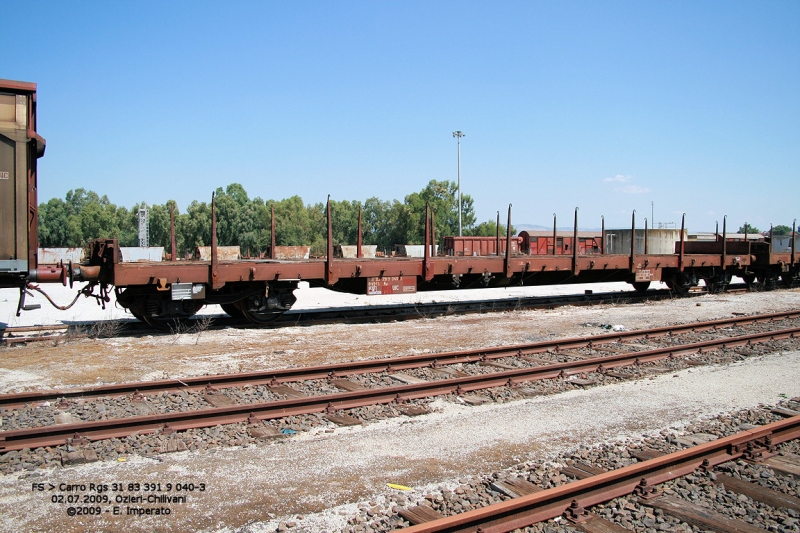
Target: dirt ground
x: 319, y: 475
x: 78, y: 362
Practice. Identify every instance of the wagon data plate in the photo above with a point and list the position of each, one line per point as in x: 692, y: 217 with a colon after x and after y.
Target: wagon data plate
x: 392, y: 285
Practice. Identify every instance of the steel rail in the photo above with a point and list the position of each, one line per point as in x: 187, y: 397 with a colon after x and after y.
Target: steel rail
x: 379, y: 365
x: 8, y: 341
x: 55, y: 435
x: 406, y: 311
x: 27, y: 329
x: 7, y: 338
x: 358, y: 315
x: 638, y: 478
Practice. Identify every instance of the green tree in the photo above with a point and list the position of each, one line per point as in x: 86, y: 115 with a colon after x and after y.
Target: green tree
x: 403, y: 225
x: 78, y: 199
x: 781, y: 230
x: 252, y: 227
x: 375, y: 222
x: 442, y: 196
x: 489, y: 229
x: 344, y: 216
x: 159, y: 225
x: 194, y: 226
x: 128, y: 222
x: 84, y: 215
x: 230, y: 203
x: 747, y: 228
x: 259, y: 217
x: 53, y: 229
x: 98, y: 220
x: 292, y: 222
x: 317, y: 228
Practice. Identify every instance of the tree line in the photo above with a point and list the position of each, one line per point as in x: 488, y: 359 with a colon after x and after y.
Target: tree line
x: 777, y: 230
x: 84, y: 215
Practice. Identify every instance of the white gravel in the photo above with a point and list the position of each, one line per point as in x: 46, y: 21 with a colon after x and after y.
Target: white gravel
x: 316, y: 479
x: 318, y: 471
x: 307, y: 298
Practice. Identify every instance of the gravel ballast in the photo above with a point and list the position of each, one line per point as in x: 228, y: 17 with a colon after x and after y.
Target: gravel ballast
x: 315, y: 471
x: 332, y: 478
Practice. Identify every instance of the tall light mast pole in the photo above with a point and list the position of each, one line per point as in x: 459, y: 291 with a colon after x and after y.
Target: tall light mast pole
x: 652, y: 215
x: 458, y: 135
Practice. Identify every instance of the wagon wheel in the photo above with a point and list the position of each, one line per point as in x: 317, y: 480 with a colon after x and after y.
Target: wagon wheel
x: 174, y: 323
x: 718, y: 283
x: 266, y: 310
x: 641, y: 286
x: 680, y: 284
x: 768, y: 281
x: 753, y: 284
x: 163, y: 324
x: 679, y: 288
x: 257, y: 317
x: 232, y: 311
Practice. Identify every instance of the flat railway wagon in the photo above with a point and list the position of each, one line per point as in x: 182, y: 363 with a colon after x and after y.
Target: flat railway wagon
x: 262, y: 289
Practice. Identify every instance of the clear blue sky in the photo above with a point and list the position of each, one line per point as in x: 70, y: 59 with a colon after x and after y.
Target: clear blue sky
x: 608, y: 106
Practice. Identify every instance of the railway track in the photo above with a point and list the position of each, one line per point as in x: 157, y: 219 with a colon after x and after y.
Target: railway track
x: 433, y: 309
x: 287, y: 402
x: 644, y: 479
x: 393, y: 364
x: 24, y: 334
x: 345, y: 315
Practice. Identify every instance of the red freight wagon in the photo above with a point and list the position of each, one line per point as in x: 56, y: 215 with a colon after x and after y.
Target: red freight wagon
x: 541, y: 243
x: 478, y: 246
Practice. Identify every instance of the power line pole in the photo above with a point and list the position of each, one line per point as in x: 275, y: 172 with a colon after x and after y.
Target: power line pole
x: 458, y: 135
